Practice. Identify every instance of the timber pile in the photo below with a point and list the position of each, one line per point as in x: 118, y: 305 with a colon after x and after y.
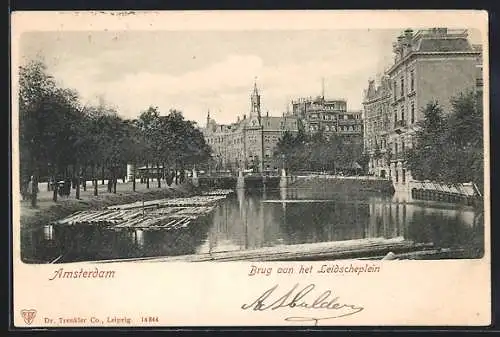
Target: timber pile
x: 222, y: 192
x: 156, y: 223
x: 175, y: 202
x: 166, y: 214
x: 162, y: 218
x: 106, y: 217
x: 315, y: 251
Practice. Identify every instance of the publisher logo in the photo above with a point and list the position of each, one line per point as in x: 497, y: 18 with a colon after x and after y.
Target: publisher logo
x: 28, y: 315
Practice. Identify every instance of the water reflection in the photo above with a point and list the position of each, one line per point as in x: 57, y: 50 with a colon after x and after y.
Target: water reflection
x: 139, y: 238
x: 48, y: 232
x: 250, y: 220
x: 296, y: 216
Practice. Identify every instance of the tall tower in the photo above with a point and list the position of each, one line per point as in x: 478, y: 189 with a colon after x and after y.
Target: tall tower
x: 208, y: 118
x: 255, y: 101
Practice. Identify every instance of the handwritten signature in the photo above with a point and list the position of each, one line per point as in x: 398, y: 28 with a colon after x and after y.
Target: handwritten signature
x: 295, y: 298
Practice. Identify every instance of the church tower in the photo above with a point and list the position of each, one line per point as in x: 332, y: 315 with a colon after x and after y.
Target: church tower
x: 255, y: 101
x: 208, y: 118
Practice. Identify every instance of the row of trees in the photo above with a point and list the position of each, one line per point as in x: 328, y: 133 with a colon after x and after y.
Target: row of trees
x: 449, y: 146
x: 319, y: 152
x: 62, y: 138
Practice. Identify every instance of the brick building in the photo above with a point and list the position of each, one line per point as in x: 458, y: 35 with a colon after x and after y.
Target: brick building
x: 430, y: 65
x: 244, y: 143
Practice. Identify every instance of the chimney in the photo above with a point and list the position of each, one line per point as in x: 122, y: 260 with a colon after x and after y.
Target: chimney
x: 244, y: 116
x: 267, y: 113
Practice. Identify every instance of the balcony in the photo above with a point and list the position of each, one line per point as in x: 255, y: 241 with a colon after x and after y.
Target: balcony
x: 350, y: 121
x: 399, y: 125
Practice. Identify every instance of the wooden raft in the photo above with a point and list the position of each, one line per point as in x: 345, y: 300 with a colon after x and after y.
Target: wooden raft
x: 221, y: 192
x: 162, y: 218
x: 166, y: 214
x: 176, y: 202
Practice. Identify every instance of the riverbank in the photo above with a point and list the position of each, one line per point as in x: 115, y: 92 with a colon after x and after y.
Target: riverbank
x: 343, y: 184
x: 48, y: 210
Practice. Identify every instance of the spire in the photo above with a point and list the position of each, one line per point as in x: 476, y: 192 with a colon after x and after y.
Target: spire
x: 323, y: 87
x: 208, y: 117
x: 255, y: 100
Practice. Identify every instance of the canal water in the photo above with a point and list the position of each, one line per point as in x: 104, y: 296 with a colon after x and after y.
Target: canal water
x: 255, y: 219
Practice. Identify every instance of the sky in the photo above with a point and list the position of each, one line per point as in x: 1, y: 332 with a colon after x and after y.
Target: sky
x: 197, y: 71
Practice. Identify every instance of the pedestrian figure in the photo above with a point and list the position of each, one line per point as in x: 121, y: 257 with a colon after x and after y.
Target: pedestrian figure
x: 169, y: 179
x: 67, y: 187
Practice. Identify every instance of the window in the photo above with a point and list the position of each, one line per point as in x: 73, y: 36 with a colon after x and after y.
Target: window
x: 396, y: 176
x: 402, y: 80
x: 395, y: 89
x: 403, y: 176
x: 402, y: 113
x: 412, y: 111
x: 395, y: 117
x: 395, y: 148
x: 403, y: 146
x: 412, y: 80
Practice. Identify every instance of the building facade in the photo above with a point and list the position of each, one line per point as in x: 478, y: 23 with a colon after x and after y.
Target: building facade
x: 377, y: 103
x: 330, y: 116
x: 430, y: 65
x: 248, y: 143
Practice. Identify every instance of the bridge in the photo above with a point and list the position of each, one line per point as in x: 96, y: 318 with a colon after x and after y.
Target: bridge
x: 247, y: 181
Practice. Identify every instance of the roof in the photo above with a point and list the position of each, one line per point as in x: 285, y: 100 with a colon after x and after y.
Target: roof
x: 274, y: 123
x: 269, y: 122
x: 444, y: 45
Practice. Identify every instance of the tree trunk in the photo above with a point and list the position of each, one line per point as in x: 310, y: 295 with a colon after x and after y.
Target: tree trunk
x: 102, y: 174
x: 34, y: 188
x: 147, y: 175
x: 84, y: 174
x: 158, y: 174
x: 115, y: 179
x: 95, y: 180
x: 110, y: 180
x: 77, y: 169
x: 133, y: 176
x: 55, y: 186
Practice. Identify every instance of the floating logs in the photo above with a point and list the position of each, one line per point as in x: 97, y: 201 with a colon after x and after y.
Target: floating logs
x: 166, y: 214
x: 176, y: 202
x: 221, y: 192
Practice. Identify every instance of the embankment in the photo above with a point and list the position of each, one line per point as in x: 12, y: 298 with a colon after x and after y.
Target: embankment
x: 343, y: 184
x: 64, y: 207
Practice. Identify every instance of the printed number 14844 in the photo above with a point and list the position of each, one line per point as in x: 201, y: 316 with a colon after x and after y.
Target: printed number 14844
x: 149, y: 319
